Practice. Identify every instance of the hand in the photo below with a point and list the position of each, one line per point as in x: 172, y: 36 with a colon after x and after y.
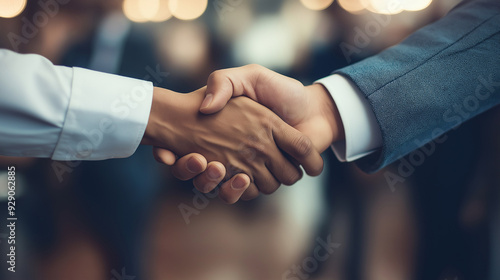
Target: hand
x: 243, y: 137
x: 206, y: 176
x: 310, y: 110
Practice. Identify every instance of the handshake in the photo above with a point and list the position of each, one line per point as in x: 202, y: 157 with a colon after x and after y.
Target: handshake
x: 222, y: 134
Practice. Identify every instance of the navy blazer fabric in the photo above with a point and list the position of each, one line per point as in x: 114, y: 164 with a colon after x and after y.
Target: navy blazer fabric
x: 439, y: 77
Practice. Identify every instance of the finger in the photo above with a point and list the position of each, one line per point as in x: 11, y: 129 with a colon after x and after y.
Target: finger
x: 211, y: 178
x: 164, y: 156
x: 232, y: 190
x: 283, y: 170
x: 251, y: 193
x: 222, y: 85
x: 298, y: 146
x: 265, y: 182
x: 189, y: 166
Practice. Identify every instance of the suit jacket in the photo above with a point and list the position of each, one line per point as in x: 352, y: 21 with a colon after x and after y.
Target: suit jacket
x: 439, y: 77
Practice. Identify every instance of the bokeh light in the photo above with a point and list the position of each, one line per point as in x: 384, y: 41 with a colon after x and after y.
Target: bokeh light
x: 416, y: 5
x: 387, y: 7
x: 352, y: 6
x: 186, y: 48
x: 147, y: 10
x: 317, y: 5
x: 11, y: 8
x: 187, y: 9
x: 132, y: 10
x: 268, y: 42
x: 163, y: 13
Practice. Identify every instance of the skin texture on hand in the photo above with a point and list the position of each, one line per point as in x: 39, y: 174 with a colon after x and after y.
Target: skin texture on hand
x: 311, y: 110
x: 243, y: 137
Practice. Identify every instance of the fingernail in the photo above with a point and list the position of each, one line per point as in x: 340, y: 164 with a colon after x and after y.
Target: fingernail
x: 193, y: 166
x: 213, y: 173
x: 239, y: 183
x: 207, y: 101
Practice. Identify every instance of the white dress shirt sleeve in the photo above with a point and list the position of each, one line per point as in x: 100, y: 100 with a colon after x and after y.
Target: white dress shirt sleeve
x: 362, y: 132
x: 68, y: 113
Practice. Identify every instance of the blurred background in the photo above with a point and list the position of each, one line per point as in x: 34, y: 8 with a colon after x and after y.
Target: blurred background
x: 129, y: 219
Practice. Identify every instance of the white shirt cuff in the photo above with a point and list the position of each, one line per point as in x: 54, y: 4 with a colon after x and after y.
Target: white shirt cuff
x: 362, y: 132
x: 106, y: 118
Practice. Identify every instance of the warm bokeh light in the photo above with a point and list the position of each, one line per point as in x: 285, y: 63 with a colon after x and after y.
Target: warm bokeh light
x: 268, y: 42
x: 163, y: 13
x: 132, y: 11
x: 188, y: 9
x: 416, y: 5
x: 147, y: 10
x: 317, y: 5
x: 11, y: 8
x: 352, y: 6
x: 388, y: 7
x: 186, y: 48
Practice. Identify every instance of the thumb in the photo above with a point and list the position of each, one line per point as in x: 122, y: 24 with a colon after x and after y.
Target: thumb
x: 219, y: 91
x: 222, y: 85
x: 164, y: 156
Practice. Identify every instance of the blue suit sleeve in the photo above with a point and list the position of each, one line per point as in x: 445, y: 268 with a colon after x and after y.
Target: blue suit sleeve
x: 439, y: 77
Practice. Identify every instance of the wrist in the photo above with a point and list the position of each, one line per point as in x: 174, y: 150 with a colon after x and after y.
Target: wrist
x: 328, y: 111
x: 162, y: 106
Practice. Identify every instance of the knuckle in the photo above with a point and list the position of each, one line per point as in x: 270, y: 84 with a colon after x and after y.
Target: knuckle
x: 291, y: 178
x: 216, y: 76
x: 254, y: 67
x: 261, y: 148
x: 303, y: 146
x: 256, y: 146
